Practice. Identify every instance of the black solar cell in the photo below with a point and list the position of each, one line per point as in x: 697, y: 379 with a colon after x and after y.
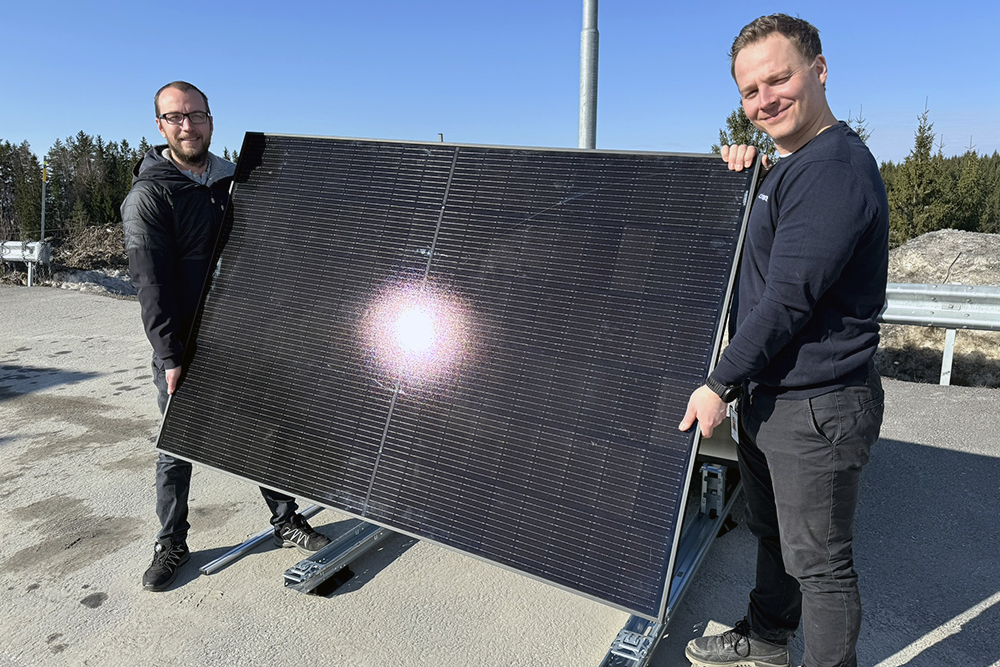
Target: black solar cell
x: 485, y: 347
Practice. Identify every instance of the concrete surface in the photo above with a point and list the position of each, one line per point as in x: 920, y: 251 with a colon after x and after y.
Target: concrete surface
x: 927, y: 540
x: 77, y: 424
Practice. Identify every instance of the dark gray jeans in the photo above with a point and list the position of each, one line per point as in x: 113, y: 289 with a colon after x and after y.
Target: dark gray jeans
x: 173, y: 482
x: 801, y: 463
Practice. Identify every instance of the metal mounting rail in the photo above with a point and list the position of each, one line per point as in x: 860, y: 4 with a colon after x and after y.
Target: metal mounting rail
x: 635, y: 643
x: 251, y: 543
x: 309, y: 574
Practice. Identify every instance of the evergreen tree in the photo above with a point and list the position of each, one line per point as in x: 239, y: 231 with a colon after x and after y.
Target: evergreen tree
x: 28, y: 193
x: 59, y: 196
x: 79, y: 220
x: 918, y: 201
x: 970, y: 193
x: 103, y: 206
x: 859, y: 125
x: 989, y: 220
x: 739, y: 130
x: 20, y: 193
x: 121, y: 160
x: 87, y: 181
x: 8, y: 219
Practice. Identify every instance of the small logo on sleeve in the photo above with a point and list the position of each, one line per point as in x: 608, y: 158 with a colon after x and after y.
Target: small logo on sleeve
x: 762, y: 197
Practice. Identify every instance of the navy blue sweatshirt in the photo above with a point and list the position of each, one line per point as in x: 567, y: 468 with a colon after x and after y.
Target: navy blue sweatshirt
x: 813, y: 273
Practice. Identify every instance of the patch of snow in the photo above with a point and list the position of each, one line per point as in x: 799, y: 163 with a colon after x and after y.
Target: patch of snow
x: 115, y: 282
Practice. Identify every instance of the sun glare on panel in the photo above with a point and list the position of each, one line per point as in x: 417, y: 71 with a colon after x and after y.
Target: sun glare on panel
x: 417, y: 333
x: 416, y: 330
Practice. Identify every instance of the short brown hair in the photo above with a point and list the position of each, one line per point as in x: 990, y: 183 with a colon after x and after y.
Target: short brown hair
x: 182, y: 86
x: 802, y: 34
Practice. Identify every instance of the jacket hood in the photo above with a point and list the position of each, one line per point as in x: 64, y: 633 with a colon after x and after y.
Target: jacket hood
x: 155, y: 166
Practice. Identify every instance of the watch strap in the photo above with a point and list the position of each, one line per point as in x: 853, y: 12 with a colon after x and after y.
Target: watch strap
x: 727, y: 392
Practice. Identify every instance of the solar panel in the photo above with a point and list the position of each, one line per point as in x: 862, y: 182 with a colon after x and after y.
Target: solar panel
x: 485, y: 347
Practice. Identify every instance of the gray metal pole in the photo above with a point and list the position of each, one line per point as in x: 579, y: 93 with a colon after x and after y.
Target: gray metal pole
x: 45, y: 178
x: 588, y: 76
x: 31, y: 265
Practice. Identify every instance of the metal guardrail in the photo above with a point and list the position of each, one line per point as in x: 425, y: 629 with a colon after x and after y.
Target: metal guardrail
x: 947, y: 306
x: 29, y: 252
x: 950, y: 307
x: 25, y: 251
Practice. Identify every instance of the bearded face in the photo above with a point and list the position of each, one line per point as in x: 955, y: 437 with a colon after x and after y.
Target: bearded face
x: 188, y: 141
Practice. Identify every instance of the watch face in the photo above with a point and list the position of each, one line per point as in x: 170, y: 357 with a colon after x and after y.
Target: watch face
x: 727, y: 393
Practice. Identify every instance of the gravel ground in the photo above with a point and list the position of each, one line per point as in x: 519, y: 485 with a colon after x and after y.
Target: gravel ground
x: 77, y: 424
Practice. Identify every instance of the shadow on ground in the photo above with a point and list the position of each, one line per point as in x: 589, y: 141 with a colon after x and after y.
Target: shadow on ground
x: 20, y: 380
x: 926, y: 544
x: 367, y: 567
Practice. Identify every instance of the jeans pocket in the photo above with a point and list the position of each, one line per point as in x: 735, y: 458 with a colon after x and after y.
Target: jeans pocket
x: 876, y: 401
x: 825, y: 417
x: 873, y: 396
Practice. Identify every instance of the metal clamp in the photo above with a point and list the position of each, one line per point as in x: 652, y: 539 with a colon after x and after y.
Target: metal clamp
x: 634, y: 644
x: 713, y: 489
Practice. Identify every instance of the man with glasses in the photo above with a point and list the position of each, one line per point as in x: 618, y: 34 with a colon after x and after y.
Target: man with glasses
x: 172, y: 217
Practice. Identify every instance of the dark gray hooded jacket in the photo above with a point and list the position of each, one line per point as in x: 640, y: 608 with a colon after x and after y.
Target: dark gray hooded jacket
x: 171, y: 226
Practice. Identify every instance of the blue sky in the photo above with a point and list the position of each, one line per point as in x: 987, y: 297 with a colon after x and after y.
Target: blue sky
x: 481, y: 72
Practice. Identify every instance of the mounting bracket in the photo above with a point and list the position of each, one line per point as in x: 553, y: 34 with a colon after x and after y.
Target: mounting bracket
x: 635, y: 643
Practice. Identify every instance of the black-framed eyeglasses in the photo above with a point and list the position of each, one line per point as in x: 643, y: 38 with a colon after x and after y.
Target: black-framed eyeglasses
x: 177, y: 118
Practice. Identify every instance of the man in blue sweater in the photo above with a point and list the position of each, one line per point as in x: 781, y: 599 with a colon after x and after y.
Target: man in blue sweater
x: 812, y: 282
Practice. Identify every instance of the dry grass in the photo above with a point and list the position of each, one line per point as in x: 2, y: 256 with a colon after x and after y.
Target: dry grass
x: 92, y: 249
x: 914, y: 354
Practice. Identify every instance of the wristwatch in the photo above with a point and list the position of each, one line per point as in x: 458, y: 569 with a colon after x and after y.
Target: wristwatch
x: 727, y: 392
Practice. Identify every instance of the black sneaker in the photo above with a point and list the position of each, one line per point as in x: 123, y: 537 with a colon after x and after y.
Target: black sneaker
x: 168, y: 556
x: 298, y: 533
x: 738, y: 647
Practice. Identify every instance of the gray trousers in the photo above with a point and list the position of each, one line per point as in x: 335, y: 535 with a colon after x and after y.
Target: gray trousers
x: 801, y: 463
x: 173, y: 483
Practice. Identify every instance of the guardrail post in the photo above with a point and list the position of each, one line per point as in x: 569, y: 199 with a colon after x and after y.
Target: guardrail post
x: 949, y: 353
